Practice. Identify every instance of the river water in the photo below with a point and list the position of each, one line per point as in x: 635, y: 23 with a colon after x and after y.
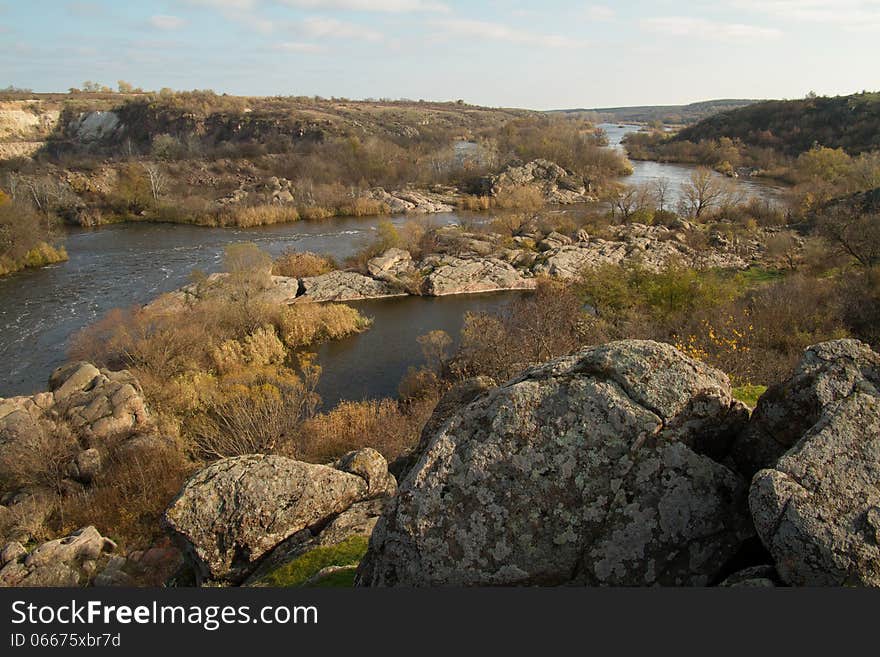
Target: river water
x: 125, y: 265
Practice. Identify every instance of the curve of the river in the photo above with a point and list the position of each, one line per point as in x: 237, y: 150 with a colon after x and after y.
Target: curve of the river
x: 125, y: 265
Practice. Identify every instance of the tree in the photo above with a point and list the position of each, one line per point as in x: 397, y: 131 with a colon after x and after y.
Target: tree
x: 125, y: 87
x: 662, y: 191
x: 703, y: 191
x: 855, y: 233
x: 158, y: 179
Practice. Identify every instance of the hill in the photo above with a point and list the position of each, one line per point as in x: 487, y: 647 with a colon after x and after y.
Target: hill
x: 30, y: 122
x: 795, y: 126
x: 668, y: 114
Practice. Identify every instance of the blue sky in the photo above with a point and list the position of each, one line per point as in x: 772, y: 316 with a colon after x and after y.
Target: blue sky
x: 541, y: 55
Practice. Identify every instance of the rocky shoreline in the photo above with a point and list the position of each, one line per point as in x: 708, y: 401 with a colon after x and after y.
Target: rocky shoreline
x: 471, y: 263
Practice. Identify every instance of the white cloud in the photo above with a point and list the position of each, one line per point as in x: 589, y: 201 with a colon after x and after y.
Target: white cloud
x: 240, y: 12
x: 600, y: 13
x: 702, y: 28
x: 383, y: 6
x: 297, y: 46
x: 851, y: 14
x: 500, y: 32
x: 322, y: 28
x: 163, y: 22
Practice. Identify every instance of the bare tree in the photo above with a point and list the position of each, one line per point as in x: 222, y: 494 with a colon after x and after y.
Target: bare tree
x: 662, y: 190
x: 704, y: 191
x: 855, y: 233
x: 158, y: 179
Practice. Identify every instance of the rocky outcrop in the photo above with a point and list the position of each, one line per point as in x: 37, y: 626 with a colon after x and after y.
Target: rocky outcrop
x: 816, y: 502
x: 76, y: 560
x: 604, y: 467
x: 347, y: 286
x: 445, y: 275
x: 827, y: 373
x: 233, y: 513
x: 89, y: 405
x: 411, y: 202
x: 556, y: 184
x: 818, y: 509
x: 652, y: 247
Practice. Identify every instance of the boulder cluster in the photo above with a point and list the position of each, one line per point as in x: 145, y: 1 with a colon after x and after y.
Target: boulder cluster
x: 631, y: 464
x: 625, y: 464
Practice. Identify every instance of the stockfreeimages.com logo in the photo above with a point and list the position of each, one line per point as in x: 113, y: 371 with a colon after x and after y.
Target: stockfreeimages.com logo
x: 209, y: 617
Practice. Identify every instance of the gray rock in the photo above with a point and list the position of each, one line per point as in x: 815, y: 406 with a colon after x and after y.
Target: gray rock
x: 347, y: 286
x: 448, y: 275
x: 72, y: 377
x: 88, y: 465
x: 827, y: 373
x: 371, y: 466
x: 818, y: 509
x: 391, y: 266
x: 63, y: 562
x: 232, y: 513
x: 592, y: 469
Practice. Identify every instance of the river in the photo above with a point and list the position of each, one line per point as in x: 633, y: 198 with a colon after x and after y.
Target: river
x: 125, y: 265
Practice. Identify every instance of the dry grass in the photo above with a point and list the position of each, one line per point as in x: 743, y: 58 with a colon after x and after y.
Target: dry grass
x: 302, y: 265
x: 475, y: 203
x: 264, y: 215
x: 388, y: 426
x: 526, y: 198
x: 129, y: 495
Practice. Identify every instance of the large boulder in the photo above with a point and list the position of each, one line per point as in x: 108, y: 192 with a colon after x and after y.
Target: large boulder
x: 600, y: 468
x: 827, y: 373
x: 818, y: 509
x: 346, y: 286
x: 234, y: 512
x: 451, y: 275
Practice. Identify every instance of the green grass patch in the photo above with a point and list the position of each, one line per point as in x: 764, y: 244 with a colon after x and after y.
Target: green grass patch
x: 755, y: 276
x: 297, y: 572
x: 749, y: 394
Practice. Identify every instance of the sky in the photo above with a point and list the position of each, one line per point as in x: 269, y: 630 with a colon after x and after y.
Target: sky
x: 501, y: 53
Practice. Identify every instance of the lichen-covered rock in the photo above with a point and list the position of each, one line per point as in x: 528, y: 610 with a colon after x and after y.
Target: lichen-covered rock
x: 818, y: 509
x: 447, y: 275
x: 347, y: 286
x: 555, y: 183
x: 597, y: 468
x: 64, y: 562
x: 827, y: 373
x: 391, y: 266
x: 231, y: 514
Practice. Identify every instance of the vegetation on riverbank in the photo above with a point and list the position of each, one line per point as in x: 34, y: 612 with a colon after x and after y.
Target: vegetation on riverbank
x: 26, y: 239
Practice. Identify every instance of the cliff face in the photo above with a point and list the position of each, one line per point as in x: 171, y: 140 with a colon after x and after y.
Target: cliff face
x: 25, y: 125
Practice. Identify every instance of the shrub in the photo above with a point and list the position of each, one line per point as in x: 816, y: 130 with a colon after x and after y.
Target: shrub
x: 525, y: 197
x: 37, y: 460
x: 387, y: 426
x: 127, y: 498
x: 475, y: 203
x: 301, y: 265
x: 251, y: 413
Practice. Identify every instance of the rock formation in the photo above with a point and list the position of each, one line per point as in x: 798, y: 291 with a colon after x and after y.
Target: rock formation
x: 604, y: 467
x: 233, y: 513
